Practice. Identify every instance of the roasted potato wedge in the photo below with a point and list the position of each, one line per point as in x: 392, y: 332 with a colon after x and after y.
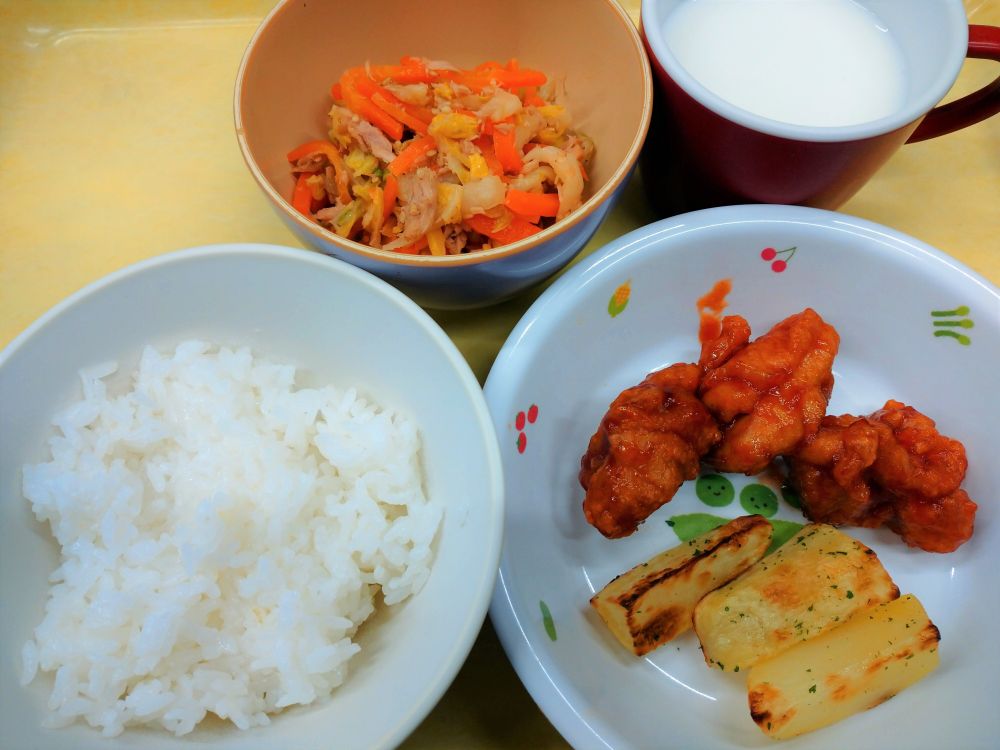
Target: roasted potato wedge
x: 865, y: 661
x: 653, y: 602
x: 812, y: 583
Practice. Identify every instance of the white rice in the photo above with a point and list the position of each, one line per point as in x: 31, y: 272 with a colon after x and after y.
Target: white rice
x: 223, y: 535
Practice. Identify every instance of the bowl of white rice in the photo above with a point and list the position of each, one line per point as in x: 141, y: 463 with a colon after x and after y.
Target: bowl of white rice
x: 250, y: 497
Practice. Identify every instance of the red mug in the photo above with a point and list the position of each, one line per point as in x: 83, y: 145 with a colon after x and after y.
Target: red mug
x: 703, y: 151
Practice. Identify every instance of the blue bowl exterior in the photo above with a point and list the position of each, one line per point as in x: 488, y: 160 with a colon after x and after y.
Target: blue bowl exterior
x: 474, y: 284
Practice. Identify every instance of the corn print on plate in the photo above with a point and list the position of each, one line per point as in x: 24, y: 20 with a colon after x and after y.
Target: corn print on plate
x: 914, y: 325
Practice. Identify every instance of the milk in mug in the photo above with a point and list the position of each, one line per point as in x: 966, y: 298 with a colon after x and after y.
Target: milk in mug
x: 822, y: 63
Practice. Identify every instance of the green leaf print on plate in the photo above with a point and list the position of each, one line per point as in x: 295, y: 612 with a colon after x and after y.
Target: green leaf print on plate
x: 943, y: 326
x: 550, y: 626
x: 689, y: 525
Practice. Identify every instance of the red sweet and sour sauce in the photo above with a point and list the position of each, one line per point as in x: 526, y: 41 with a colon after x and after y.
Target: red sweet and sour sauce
x: 710, y: 307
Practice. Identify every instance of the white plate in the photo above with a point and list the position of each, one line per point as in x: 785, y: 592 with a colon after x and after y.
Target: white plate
x: 888, y: 296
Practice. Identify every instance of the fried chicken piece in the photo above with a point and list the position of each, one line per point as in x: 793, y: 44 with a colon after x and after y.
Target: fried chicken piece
x: 769, y: 394
x: 941, y: 524
x: 890, y: 468
x: 917, y: 458
x: 831, y: 472
x: 734, y: 335
x: 650, y: 440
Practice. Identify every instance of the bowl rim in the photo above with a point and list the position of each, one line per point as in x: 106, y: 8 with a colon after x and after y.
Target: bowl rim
x: 455, y: 653
x: 589, y: 206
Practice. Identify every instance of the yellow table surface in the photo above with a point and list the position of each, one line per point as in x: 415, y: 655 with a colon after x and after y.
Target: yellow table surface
x: 116, y: 144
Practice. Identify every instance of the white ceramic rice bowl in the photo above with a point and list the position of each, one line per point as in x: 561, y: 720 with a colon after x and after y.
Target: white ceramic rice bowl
x: 339, y: 325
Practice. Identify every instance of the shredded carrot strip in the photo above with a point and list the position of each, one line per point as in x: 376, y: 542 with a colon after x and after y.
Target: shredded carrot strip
x: 389, y: 197
x: 302, y: 196
x: 413, y: 248
x: 412, y: 110
x: 415, y: 110
x: 414, y: 153
x: 485, y: 145
x: 362, y: 106
x: 530, y: 97
x: 532, y: 204
x: 506, y: 151
x: 391, y: 103
x: 517, y: 229
x: 307, y: 148
x: 364, y: 85
x: 394, y: 110
x: 411, y: 71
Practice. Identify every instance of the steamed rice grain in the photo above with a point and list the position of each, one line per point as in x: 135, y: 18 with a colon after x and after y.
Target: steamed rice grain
x: 223, y: 535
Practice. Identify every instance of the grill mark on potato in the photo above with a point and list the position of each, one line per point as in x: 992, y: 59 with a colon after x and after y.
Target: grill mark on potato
x: 840, y: 687
x: 734, y: 539
x: 881, y: 663
x: 785, y: 589
x: 665, y: 626
x: 762, y: 698
x: 929, y: 637
x: 782, y: 634
x: 867, y: 579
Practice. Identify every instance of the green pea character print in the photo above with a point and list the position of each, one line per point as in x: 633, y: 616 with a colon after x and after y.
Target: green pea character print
x: 714, y: 490
x: 756, y: 498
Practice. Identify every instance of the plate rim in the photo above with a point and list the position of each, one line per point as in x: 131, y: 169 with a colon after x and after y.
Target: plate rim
x: 553, y: 698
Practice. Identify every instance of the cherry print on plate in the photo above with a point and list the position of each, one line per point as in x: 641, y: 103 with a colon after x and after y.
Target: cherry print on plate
x: 522, y: 420
x: 778, y: 264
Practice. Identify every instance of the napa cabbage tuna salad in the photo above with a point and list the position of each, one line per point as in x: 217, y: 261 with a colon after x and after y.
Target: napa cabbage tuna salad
x: 425, y: 158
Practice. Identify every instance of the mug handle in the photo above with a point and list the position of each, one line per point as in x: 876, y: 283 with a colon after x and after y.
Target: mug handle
x: 984, y: 43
